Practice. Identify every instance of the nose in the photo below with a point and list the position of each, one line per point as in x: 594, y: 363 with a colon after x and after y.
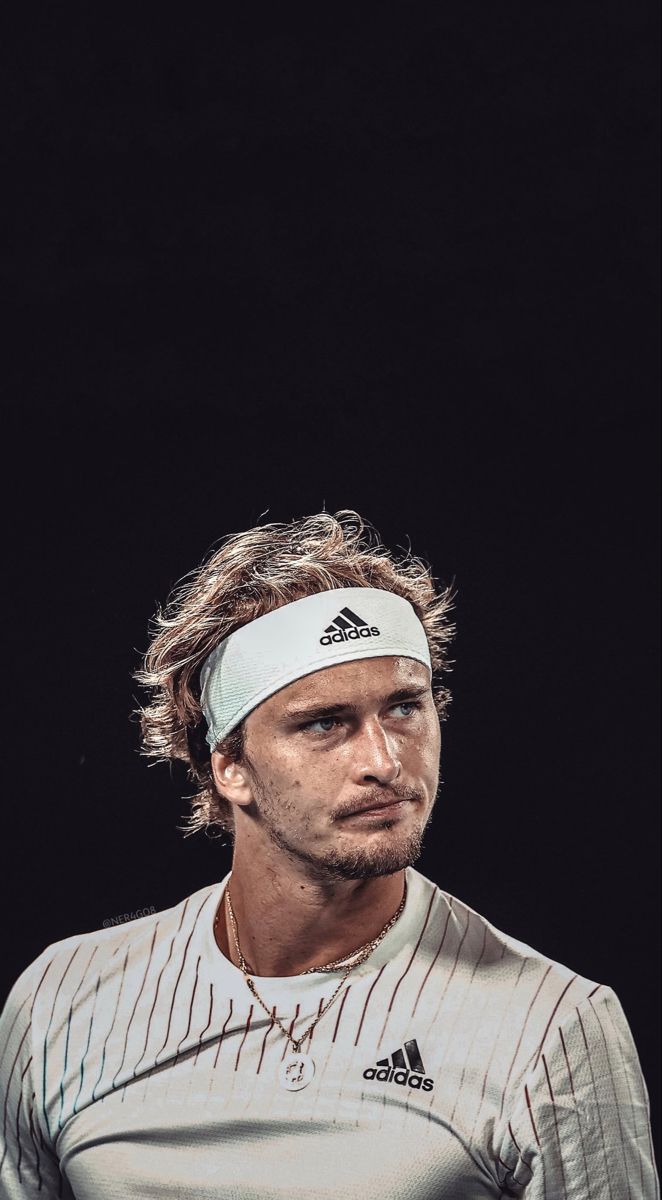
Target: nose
x: 375, y: 756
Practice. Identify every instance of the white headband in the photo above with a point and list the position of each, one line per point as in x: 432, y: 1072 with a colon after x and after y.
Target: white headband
x: 299, y: 638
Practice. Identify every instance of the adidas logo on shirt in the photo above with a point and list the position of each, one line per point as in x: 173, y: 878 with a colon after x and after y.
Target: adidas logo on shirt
x: 347, y: 627
x: 404, y: 1067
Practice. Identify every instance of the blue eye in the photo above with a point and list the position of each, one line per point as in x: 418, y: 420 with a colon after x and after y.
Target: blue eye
x: 320, y: 721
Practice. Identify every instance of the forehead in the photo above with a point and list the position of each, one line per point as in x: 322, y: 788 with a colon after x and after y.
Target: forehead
x: 349, y: 683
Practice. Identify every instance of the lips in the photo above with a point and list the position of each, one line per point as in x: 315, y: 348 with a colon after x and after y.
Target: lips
x: 378, y: 807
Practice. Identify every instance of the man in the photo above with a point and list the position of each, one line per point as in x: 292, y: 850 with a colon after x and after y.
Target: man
x: 325, y: 1021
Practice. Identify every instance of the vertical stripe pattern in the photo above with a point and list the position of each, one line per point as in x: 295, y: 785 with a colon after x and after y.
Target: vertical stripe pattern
x: 457, y: 1063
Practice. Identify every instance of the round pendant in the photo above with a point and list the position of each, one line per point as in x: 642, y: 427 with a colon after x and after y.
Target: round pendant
x: 296, y: 1071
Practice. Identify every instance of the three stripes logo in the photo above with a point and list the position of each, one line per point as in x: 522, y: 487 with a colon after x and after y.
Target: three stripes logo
x: 404, y: 1067
x: 347, y: 627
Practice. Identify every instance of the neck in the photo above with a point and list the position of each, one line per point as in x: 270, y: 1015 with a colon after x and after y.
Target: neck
x: 287, y: 925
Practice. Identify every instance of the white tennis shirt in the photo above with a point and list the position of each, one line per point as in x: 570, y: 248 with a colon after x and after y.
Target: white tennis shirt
x: 456, y: 1064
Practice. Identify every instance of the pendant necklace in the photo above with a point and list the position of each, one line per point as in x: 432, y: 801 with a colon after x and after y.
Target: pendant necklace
x: 298, y: 1068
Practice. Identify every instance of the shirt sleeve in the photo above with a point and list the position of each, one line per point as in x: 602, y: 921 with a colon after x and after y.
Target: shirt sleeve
x: 579, y: 1123
x: 28, y: 1165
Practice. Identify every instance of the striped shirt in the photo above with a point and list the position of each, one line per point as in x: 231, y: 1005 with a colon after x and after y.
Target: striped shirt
x: 455, y: 1063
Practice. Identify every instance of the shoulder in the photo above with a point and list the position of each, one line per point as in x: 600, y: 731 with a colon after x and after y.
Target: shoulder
x: 67, y: 968
x: 524, y: 982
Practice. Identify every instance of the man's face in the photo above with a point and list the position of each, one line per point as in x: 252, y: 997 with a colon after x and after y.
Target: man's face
x: 358, y: 734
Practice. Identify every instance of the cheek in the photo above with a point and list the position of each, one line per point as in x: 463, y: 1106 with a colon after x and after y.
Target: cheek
x: 289, y: 781
x: 309, y: 785
x: 425, y: 748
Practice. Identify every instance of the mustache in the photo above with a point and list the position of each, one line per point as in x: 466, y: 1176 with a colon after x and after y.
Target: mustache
x: 378, y: 797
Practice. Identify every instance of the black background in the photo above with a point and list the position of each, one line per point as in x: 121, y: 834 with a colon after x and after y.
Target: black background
x: 401, y: 264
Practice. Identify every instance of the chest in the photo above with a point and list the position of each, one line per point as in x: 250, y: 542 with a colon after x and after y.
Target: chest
x: 219, y: 1122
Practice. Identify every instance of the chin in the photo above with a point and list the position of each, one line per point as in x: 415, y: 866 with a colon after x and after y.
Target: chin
x: 384, y: 849
x: 371, y: 861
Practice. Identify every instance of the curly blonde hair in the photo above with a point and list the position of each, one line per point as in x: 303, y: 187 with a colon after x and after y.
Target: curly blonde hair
x: 249, y: 574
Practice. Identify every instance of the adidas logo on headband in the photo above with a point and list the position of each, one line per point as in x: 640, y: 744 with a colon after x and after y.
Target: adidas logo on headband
x: 347, y: 627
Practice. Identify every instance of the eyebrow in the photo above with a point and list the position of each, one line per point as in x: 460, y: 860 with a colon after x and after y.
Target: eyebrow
x: 312, y: 712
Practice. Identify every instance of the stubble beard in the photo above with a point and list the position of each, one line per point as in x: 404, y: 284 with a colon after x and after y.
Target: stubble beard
x: 363, y: 861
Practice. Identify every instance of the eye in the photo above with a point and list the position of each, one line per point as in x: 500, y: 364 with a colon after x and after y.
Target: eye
x: 412, y: 704
x: 328, y: 721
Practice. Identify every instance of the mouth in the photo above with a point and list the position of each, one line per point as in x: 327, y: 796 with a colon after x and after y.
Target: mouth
x: 391, y: 809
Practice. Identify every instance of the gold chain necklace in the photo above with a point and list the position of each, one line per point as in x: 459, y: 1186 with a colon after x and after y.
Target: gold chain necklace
x: 297, y: 1070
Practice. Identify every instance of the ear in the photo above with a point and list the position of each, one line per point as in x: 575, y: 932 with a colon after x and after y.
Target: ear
x: 231, y: 779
